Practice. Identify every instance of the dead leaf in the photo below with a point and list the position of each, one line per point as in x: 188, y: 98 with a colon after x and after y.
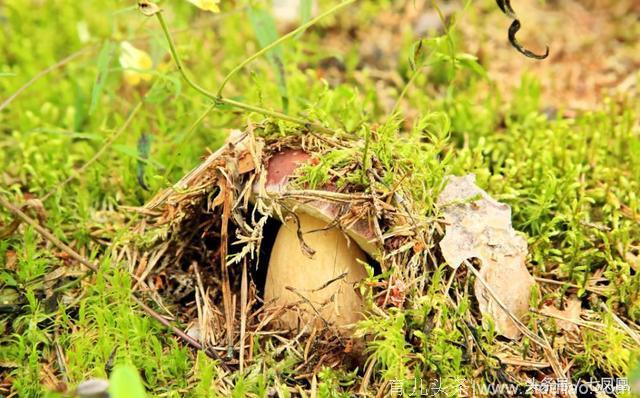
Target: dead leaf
x: 8, y: 230
x: 245, y: 163
x: 480, y: 227
x: 11, y: 259
x: 633, y: 261
x: 148, y: 8
x: 568, y: 318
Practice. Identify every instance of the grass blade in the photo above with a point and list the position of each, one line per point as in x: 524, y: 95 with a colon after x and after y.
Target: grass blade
x: 144, y: 147
x: 104, y: 61
x: 305, y: 13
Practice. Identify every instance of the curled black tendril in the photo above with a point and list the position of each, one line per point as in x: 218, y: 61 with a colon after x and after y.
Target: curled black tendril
x: 505, y: 6
x: 513, y: 29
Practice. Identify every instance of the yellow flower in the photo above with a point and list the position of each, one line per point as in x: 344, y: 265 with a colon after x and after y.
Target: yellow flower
x: 135, y: 62
x: 207, y: 5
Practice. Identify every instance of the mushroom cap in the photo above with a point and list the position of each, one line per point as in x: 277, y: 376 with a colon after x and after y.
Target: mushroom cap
x: 281, y: 167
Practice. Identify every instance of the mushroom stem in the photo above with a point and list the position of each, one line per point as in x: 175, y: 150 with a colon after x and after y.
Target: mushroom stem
x: 320, y: 289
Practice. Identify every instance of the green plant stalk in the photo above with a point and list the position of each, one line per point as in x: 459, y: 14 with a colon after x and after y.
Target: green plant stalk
x: 396, y: 106
x: 221, y: 100
x: 98, y: 154
x: 274, y: 44
x: 419, y: 68
x: 186, y: 135
x: 365, y: 154
x: 43, y: 73
x: 409, y: 83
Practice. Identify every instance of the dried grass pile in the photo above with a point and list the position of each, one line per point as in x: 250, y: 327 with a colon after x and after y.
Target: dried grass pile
x: 222, y: 211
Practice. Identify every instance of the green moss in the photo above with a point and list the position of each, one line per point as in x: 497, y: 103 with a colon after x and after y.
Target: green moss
x: 572, y: 185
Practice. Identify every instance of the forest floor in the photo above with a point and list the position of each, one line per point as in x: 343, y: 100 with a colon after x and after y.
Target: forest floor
x: 96, y: 120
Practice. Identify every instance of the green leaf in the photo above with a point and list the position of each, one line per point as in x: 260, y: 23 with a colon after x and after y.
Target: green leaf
x: 80, y: 115
x: 634, y: 379
x: 104, y: 61
x: 470, y: 62
x: 7, y: 279
x: 126, y: 383
x: 133, y: 153
x: 305, y: 13
x: 144, y: 148
x: 264, y: 27
x: 416, y: 57
x: 163, y: 88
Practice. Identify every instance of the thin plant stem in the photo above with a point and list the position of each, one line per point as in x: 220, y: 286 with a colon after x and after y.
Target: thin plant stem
x: 365, y: 154
x: 17, y: 212
x: 221, y: 100
x: 187, y: 134
x: 43, y: 73
x: 282, y: 39
x: 396, y: 106
x: 275, y: 114
x: 178, y: 60
x: 98, y: 154
x: 409, y: 83
x: 418, y: 69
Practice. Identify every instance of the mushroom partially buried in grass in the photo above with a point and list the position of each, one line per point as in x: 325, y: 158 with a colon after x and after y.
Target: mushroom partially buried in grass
x: 315, y: 266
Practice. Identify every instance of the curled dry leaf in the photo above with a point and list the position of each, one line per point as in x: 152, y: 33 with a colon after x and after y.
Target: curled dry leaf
x: 568, y: 318
x: 480, y: 227
x: 148, y: 8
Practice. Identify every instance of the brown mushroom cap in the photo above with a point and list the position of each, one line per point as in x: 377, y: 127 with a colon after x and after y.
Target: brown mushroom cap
x: 281, y: 167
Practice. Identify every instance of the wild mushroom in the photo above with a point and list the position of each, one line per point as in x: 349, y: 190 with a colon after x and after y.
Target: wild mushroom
x: 318, y: 284
x: 311, y: 285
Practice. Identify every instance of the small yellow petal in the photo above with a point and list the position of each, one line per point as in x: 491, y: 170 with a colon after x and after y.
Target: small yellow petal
x: 135, y: 62
x: 207, y: 5
x: 132, y: 78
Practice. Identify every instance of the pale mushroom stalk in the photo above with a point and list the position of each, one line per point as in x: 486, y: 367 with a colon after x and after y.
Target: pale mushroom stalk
x: 321, y: 286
